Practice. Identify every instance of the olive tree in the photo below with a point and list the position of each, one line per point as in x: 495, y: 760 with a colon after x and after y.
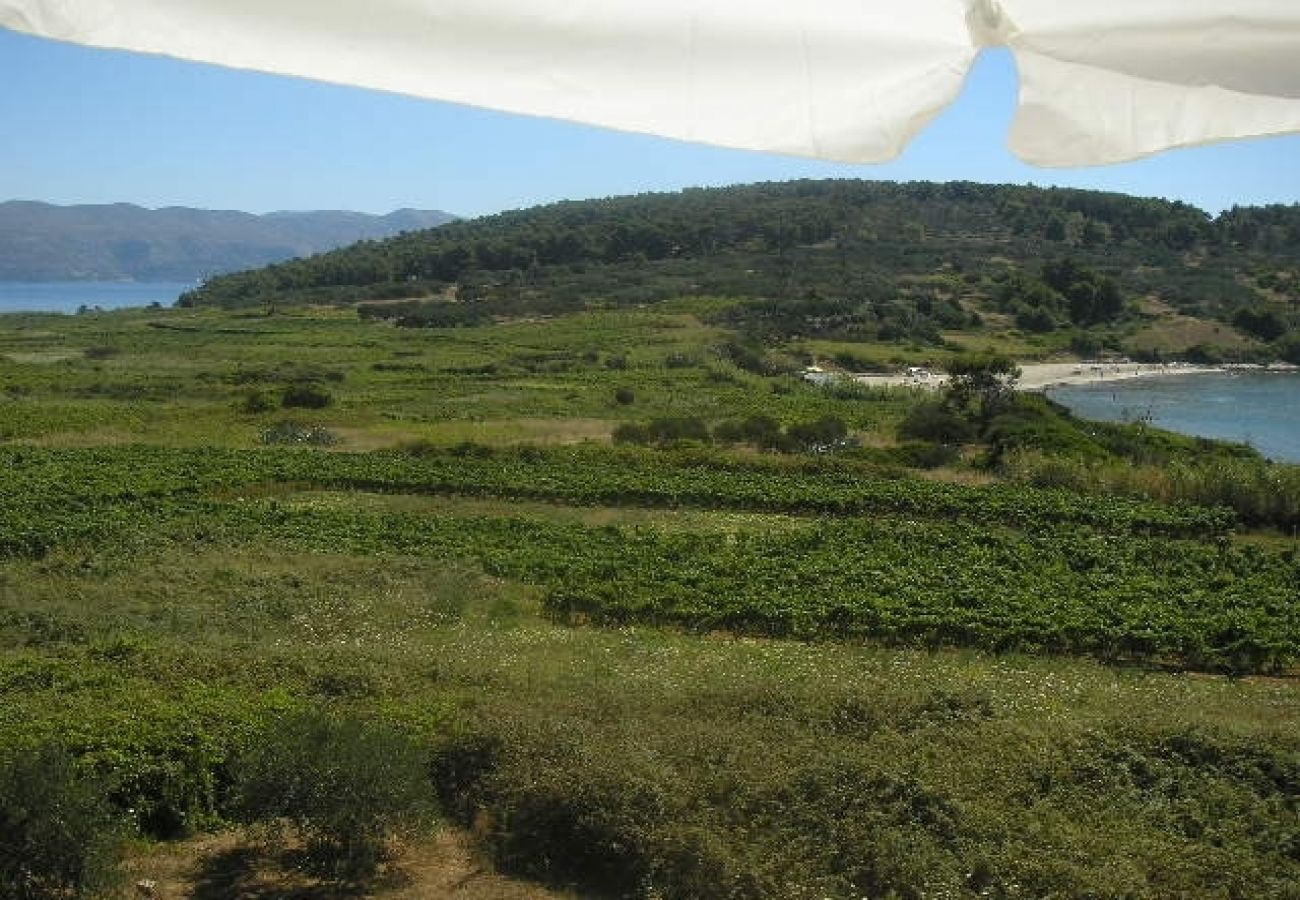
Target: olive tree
x: 981, y: 385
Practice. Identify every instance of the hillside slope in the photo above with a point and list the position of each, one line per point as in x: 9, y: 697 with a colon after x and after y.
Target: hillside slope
x: 840, y: 260
x: 42, y: 242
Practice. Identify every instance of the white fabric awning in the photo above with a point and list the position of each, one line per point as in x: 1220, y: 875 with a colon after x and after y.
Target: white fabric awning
x: 853, y: 80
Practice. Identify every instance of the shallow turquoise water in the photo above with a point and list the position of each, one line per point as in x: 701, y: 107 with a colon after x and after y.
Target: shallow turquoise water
x: 67, y: 296
x: 1258, y: 408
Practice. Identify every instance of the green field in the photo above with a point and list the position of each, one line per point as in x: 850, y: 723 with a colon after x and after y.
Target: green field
x: 693, y: 669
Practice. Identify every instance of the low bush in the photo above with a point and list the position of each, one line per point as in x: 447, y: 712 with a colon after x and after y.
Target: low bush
x: 471, y: 450
x: 346, y: 786
x: 818, y: 436
x: 58, y: 836
x: 663, y: 431
x: 762, y: 431
x: 679, y: 360
x: 101, y: 351
x: 306, y: 396
x: 920, y: 455
x: 936, y: 423
x: 742, y: 824
x: 1262, y: 493
x: 1027, y: 425
x: 256, y: 401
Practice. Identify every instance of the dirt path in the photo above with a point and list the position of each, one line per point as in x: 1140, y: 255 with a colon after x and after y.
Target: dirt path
x: 226, y: 867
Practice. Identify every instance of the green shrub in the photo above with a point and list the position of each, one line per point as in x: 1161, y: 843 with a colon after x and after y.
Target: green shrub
x: 1262, y: 493
x: 819, y: 435
x: 750, y: 822
x: 631, y: 433
x: 663, y: 431
x: 934, y: 422
x: 1038, y: 321
x: 306, y: 396
x: 58, y: 837
x: 761, y: 431
x: 101, y: 351
x: 858, y: 362
x: 754, y: 359
x: 921, y: 455
x: 624, y: 396
x: 1204, y: 354
x: 579, y: 827
x: 346, y: 786
x: 471, y: 450
x: 256, y: 401
x: 1288, y: 347
x: 1266, y: 325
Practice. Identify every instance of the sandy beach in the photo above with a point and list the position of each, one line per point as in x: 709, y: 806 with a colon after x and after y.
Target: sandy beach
x: 1040, y: 376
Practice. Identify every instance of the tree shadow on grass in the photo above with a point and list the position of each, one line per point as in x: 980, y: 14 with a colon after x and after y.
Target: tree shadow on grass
x: 254, y: 873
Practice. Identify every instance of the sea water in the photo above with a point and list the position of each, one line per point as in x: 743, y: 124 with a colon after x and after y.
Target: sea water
x: 1258, y: 408
x: 69, y: 296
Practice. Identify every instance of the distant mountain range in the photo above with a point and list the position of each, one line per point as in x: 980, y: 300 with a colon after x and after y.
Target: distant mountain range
x: 43, y: 242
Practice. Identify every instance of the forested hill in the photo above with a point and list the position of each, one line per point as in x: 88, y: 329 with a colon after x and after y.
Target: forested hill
x: 43, y: 242
x: 875, y: 260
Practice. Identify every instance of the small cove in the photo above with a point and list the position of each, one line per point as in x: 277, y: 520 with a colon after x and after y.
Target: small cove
x: 1258, y: 408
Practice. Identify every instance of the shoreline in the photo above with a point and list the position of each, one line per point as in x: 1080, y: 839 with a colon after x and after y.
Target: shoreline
x: 1044, y: 376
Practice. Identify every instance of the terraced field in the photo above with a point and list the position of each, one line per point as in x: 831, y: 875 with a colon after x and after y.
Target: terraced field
x: 678, y: 672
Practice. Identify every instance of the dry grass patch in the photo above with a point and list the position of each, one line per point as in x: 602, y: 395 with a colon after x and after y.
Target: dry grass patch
x: 1177, y: 333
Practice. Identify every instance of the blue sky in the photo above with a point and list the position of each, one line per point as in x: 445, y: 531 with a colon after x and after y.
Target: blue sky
x: 93, y: 126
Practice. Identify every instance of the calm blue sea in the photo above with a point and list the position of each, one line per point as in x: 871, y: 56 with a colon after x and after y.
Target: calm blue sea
x: 67, y: 296
x: 1259, y: 408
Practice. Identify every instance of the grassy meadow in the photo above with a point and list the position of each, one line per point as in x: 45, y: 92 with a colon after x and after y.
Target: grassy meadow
x: 686, y: 669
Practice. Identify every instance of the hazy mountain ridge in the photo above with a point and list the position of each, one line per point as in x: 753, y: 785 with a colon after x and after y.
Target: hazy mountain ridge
x: 45, y: 242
